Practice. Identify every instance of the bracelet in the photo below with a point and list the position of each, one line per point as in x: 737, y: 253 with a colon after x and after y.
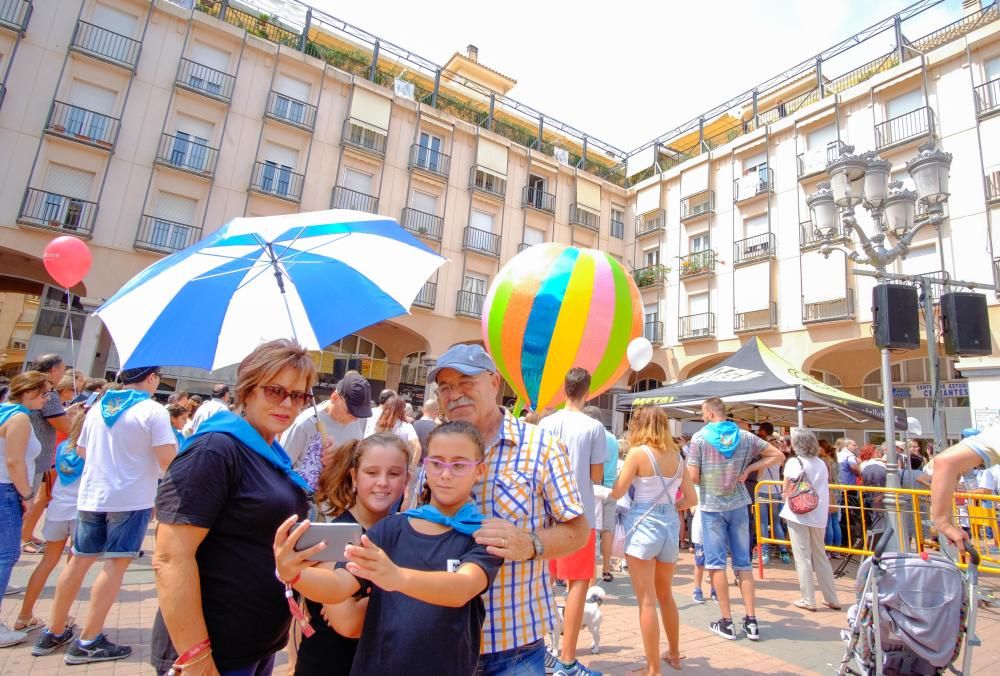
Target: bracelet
x: 177, y: 668
x: 201, y: 650
x: 289, y: 583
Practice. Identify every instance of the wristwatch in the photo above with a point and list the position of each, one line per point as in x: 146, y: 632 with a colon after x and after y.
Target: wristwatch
x: 537, y: 543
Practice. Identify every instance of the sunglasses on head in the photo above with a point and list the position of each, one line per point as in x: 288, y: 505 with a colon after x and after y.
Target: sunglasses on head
x: 276, y: 394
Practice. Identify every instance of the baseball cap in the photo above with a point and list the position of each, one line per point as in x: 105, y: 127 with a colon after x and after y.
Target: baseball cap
x: 357, y: 394
x: 136, y: 375
x: 470, y: 360
x: 969, y: 432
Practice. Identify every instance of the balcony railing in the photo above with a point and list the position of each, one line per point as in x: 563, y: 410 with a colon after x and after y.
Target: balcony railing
x: 364, y: 136
x: 427, y: 296
x: 697, y: 263
x: 651, y: 221
x: 481, y: 241
x: 161, y: 235
x: 523, y: 245
x: 345, y: 198
x: 651, y: 275
x: 422, y: 223
x: 653, y: 331
x: 204, y: 80
x: 993, y: 185
x: 15, y: 14
x: 756, y: 320
x: 58, y: 212
x: 80, y: 124
x: 538, y: 199
x: 486, y: 182
x: 470, y: 304
x: 277, y: 181
x: 814, y: 161
x: 291, y: 111
x: 617, y: 228
x: 187, y: 155
x: 829, y: 310
x: 697, y: 205
x: 429, y: 160
x: 106, y: 45
x: 753, y: 184
x: 579, y: 215
x: 753, y: 249
x: 913, y: 125
x: 693, y: 327
x: 988, y: 98
x: 810, y: 239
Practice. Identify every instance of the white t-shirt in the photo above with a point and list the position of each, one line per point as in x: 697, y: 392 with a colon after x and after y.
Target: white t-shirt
x: 121, y: 468
x: 204, y: 412
x: 587, y: 445
x: 62, y: 506
x: 403, y: 430
x: 817, y: 474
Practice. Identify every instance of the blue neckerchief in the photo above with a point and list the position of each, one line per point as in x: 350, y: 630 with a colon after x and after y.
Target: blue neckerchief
x: 7, y: 411
x: 725, y: 436
x: 229, y: 423
x: 466, y: 521
x: 69, y: 466
x: 115, y: 402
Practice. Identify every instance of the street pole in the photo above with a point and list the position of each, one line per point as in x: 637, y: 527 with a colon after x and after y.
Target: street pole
x: 892, y: 464
x: 937, y: 414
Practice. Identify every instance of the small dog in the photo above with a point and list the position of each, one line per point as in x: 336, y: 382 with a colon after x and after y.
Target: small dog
x: 592, y: 617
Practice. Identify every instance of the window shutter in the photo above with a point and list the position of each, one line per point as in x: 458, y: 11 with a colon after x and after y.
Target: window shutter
x: 177, y: 208
x: 68, y: 181
x: 115, y: 20
x: 210, y: 56
x: 357, y: 180
x: 293, y: 87
x: 92, y: 97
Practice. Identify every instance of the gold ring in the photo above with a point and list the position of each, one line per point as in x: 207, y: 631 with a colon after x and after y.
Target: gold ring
x: 503, y: 542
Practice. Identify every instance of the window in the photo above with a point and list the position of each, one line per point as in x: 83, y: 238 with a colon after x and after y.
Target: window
x: 358, y: 181
x: 429, y: 152
x: 423, y: 201
x: 173, y: 216
x: 651, y: 257
x: 821, y: 138
x: 827, y: 378
x: 903, y: 104
x: 289, y: 109
x: 993, y: 69
x: 52, y: 316
x: 114, y: 20
x: 481, y: 220
x: 189, y: 151
x: 474, y: 283
x: 651, y: 312
x: 351, y: 353
x: 617, y: 222
x: 291, y: 93
x: 275, y: 178
x: 698, y: 303
x: 698, y: 243
x: 756, y: 226
x: 533, y: 236
x: 755, y: 163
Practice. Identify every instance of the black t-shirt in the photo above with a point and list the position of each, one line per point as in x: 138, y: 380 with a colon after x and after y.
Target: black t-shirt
x: 402, y: 635
x: 219, y: 484
x: 326, y: 653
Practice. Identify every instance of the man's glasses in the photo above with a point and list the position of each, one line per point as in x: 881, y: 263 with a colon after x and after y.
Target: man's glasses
x: 276, y: 394
x: 437, y: 467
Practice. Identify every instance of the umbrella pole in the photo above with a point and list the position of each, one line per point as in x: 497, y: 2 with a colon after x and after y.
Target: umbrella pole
x: 799, y: 410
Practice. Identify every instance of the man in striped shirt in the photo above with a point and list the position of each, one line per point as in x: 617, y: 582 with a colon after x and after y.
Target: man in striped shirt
x: 534, y: 507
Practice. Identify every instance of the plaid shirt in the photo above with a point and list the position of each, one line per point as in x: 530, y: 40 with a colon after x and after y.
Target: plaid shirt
x: 530, y: 483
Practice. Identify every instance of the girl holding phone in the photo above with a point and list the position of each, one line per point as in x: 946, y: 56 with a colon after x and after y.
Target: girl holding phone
x: 426, y: 569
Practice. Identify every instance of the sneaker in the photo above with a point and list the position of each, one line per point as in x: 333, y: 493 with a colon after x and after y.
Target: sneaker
x: 766, y: 559
x: 575, y: 669
x: 750, y: 627
x: 99, y: 650
x: 47, y: 642
x: 715, y: 596
x: 698, y: 596
x: 9, y: 637
x: 561, y: 584
x: 785, y: 557
x: 551, y: 662
x: 724, y: 628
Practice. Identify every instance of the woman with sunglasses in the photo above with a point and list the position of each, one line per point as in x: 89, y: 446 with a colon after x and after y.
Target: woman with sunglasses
x: 221, y: 609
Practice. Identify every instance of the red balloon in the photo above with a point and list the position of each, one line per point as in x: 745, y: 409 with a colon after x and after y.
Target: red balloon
x: 67, y: 260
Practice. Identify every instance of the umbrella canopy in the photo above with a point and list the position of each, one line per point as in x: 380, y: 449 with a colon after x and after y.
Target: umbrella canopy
x: 755, y: 382
x: 313, y: 276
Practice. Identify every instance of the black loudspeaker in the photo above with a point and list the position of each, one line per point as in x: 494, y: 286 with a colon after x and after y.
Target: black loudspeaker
x: 895, y: 316
x: 966, y: 324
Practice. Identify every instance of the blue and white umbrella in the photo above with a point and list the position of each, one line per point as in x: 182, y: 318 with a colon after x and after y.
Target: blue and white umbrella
x: 314, y: 276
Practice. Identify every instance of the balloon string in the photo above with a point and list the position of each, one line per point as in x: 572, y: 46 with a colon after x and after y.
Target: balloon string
x: 72, y: 341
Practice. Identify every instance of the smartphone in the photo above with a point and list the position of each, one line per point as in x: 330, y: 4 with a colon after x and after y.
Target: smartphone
x: 336, y: 536
x: 91, y: 399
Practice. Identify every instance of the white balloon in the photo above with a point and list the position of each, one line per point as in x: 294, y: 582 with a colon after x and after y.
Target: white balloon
x: 640, y: 353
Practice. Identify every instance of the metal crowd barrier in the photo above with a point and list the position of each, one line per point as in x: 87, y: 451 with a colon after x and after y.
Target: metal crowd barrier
x: 866, y: 509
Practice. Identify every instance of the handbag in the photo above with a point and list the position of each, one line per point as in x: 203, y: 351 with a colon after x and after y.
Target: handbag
x: 618, y: 543
x: 803, y: 498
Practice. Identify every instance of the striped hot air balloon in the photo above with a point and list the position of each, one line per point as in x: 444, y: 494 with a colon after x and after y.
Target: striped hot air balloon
x: 553, y: 307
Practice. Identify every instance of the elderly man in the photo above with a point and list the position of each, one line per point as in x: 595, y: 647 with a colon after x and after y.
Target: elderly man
x: 533, y: 505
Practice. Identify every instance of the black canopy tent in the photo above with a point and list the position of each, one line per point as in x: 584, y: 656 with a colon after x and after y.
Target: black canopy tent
x: 757, y: 384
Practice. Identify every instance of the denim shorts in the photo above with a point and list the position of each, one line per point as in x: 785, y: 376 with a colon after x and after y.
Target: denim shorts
x: 725, y: 532
x: 655, y: 536
x: 526, y: 660
x: 113, y: 534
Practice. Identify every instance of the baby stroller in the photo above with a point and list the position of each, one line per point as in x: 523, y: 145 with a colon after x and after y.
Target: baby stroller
x: 926, y: 611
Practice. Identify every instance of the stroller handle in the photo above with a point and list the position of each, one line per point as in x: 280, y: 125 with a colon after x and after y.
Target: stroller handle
x: 883, y: 542
x: 971, y: 551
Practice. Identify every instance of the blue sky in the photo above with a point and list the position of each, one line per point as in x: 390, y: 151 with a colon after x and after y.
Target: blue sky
x: 628, y: 71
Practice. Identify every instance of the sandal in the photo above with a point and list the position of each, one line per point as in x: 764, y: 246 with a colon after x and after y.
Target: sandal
x: 607, y: 577
x: 33, y: 547
x: 801, y: 603
x: 32, y: 624
x: 676, y: 664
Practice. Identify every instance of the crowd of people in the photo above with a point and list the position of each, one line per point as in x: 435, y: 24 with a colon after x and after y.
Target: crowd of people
x: 475, y: 520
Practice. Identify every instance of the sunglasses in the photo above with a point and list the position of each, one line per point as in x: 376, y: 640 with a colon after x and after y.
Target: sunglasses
x: 458, y: 468
x: 276, y: 394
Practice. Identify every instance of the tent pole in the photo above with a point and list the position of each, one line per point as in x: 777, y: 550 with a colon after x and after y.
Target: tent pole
x: 799, y: 410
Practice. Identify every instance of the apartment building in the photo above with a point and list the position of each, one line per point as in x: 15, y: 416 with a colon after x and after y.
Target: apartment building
x: 144, y: 126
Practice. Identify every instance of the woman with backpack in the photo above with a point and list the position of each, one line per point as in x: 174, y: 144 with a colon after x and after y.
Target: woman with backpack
x: 806, y: 492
